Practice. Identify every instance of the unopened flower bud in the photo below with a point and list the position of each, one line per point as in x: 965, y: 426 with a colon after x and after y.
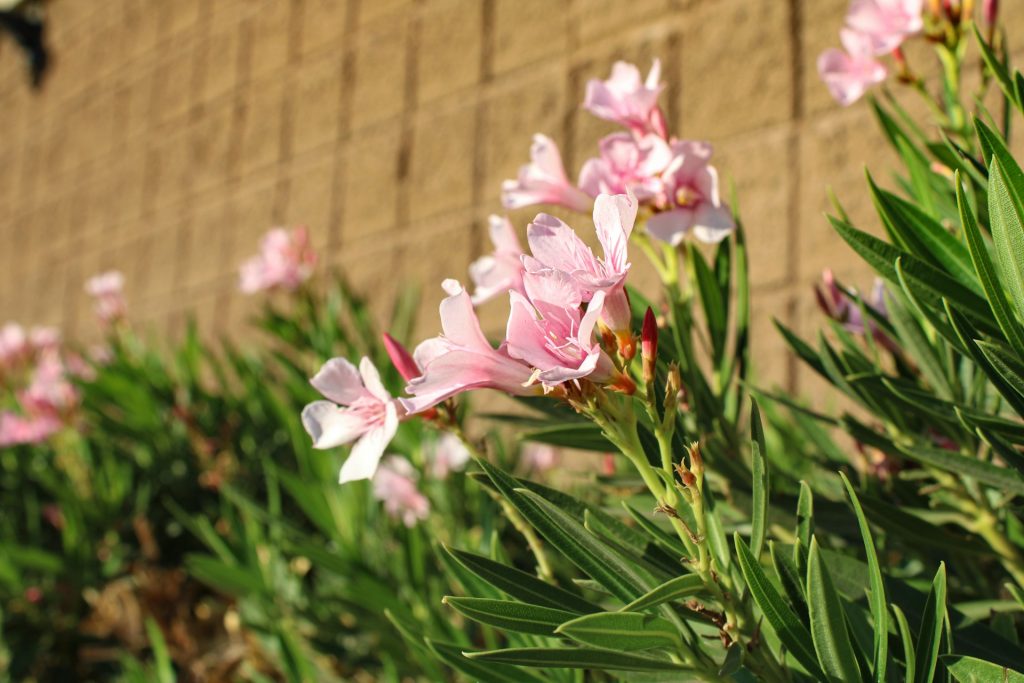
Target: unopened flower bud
x: 688, y: 479
x: 401, y: 358
x: 990, y: 11
x: 696, y: 461
x: 649, y: 345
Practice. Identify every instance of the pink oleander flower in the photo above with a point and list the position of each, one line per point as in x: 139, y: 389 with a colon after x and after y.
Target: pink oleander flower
x: 14, y: 345
x: 538, y: 457
x: 885, y: 24
x: 448, y: 455
x: 543, y: 181
x: 18, y: 430
x: 394, y: 484
x: 107, y: 290
x: 548, y: 331
x: 841, y: 308
x: 555, y: 246
x: 44, y: 339
x: 627, y: 164
x: 848, y: 74
x: 359, y: 409
x: 692, y: 203
x: 627, y: 99
x: 285, y: 261
x: 501, y: 271
x: 462, y: 359
x: 49, y: 390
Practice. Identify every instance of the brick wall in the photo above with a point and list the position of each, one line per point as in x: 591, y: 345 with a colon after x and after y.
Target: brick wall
x: 173, y: 133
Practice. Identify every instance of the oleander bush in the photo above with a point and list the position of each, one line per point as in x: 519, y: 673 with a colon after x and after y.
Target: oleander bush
x: 640, y: 509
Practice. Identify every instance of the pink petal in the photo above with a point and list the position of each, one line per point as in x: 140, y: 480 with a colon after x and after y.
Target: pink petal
x: 339, y: 381
x: 366, y: 454
x: 331, y: 426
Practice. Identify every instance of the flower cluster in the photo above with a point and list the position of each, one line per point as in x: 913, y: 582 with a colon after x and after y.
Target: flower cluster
x: 35, y: 376
x: 672, y: 180
x: 107, y: 291
x: 873, y: 28
x: 569, y: 330
x: 285, y: 261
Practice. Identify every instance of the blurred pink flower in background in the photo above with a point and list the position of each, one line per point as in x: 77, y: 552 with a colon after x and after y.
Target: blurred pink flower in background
x: 627, y: 99
x: 841, y: 308
x: 18, y: 429
x: 360, y: 409
x: 543, y: 181
x: 448, y: 454
x: 107, y: 291
x: 14, y: 345
x: 885, y: 23
x: 394, y: 484
x: 285, y: 261
x: 692, y: 201
x: 848, y: 74
x: 501, y: 271
x: 538, y: 457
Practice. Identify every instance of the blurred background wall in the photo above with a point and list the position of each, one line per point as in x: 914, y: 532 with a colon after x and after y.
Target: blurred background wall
x: 169, y: 135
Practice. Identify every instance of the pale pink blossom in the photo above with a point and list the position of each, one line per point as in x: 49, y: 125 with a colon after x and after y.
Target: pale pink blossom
x: 548, y: 332
x: 885, y: 24
x: 539, y: 457
x: 627, y: 99
x: 359, y: 409
x: 848, y: 74
x: 543, y: 181
x: 448, y: 455
x: 841, y: 308
x: 692, y: 201
x: 462, y: 359
x: 627, y: 164
x: 14, y: 345
x: 44, y: 338
x: 555, y: 246
x: 285, y: 261
x: 17, y: 429
x: 107, y: 291
x: 394, y: 484
x: 49, y: 390
x: 501, y: 271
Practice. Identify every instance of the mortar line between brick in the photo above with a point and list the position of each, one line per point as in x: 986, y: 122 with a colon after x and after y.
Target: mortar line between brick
x: 343, y: 123
x: 476, y: 239
x: 793, y: 199
x: 407, y: 130
x: 282, y: 184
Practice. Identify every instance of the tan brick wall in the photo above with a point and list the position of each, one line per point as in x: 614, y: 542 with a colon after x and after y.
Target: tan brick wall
x: 173, y: 133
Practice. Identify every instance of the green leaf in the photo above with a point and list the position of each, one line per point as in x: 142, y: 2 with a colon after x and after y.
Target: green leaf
x: 161, y: 656
x: 973, y: 670
x: 783, y: 620
x: 831, y: 638
x: 664, y: 540
x: 931, y: 284
x: 759, y: 467
x: 483, y: 671
x: 908, y: 643
x: 924, y: 236
x: 804, y: 521
x: 1006, y: 216
x: 628, y: 631
x: 930, y: 636
x: 522, y: 585
x: 791, y: 582
x: 673, y: 589
x: 235, y: 580
x: 620, y: 576
x: 985, y: 472
x: 575, y: 658
x: 711, y: 301
x: 967, y: 336
x: 997, y: 68
x: 509, y: 615
x: 879, y: 611
x: 994, y: 291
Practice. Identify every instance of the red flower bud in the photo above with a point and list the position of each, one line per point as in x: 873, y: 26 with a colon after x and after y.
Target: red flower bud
x: 401, y: 358
x: 649, y: 345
